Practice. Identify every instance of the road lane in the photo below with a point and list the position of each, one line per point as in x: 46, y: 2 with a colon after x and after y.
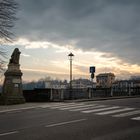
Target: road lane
x: 70, y: 125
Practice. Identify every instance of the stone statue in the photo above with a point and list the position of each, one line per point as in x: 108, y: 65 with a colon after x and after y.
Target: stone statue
x: 15, y: 57
x: 12, y: 87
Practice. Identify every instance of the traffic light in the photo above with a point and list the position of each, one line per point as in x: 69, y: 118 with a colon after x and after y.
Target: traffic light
x: 92, y: 75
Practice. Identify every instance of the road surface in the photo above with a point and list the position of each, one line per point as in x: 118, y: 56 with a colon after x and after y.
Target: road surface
x: 94, y: 120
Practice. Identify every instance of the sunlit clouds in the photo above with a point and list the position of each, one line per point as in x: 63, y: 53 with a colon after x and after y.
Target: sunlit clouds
x: 41, y: 59
x: 100, y: 33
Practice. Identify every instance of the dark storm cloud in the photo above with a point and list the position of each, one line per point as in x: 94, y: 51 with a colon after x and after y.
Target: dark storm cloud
x: 104, y: 25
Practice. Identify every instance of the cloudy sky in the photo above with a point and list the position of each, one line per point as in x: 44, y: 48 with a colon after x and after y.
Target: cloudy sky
x: 101, y: 33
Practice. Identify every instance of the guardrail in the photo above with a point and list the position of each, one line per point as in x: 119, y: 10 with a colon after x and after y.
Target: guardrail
x: 38, y: 95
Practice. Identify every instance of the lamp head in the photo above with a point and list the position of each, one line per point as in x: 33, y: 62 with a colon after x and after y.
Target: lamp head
x: 70, y: 55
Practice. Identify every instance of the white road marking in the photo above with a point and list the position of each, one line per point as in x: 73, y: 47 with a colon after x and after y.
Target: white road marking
x: 64, y: 123
x: 56, y: 105
x: 9, y: 133
x: 136, y: 118
x: 114, y: 111
x: 19, y: 109
x: 66, y: 105
x: 46, y: 106
x: 77, y: 106
x: 101, y: 109
x: 127, y: 114
x: 85, y: 108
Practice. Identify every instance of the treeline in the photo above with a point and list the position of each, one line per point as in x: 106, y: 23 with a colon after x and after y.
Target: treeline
x: 43, y: 83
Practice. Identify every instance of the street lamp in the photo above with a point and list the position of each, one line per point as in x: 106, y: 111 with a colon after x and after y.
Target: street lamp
x: 70, y: 58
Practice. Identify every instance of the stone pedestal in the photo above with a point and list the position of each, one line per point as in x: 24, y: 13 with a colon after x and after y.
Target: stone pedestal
x: 12, y: 87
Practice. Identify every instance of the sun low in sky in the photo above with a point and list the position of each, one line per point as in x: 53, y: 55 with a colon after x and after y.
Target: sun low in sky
x: 100, y: 33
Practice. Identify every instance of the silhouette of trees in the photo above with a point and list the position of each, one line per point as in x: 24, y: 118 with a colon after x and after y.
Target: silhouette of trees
x: 8, y: 10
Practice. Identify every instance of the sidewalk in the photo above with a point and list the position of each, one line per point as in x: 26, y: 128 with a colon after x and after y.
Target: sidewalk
x: 103, y: 98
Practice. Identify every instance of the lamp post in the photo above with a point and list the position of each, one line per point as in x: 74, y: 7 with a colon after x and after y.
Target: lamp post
x: 70, y: 58
x: 92, y: 71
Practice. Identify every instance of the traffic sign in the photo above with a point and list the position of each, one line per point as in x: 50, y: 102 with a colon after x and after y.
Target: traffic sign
x: 92, y: 69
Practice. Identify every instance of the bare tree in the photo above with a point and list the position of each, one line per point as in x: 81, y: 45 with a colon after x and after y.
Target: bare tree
x: 8, y: 10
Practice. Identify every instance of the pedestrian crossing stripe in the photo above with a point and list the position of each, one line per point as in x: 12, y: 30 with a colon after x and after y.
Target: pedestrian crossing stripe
x: 127, y: 114
x: 57, y: 105
x: 97, y: 109
x: 114, y: 111
x: 51, y: 105
x: 78, y: 106
x: 46, y: 106
x: 101, y: 109
x: 85, y: 108
x: 63, y: 106
x: 136, y: 118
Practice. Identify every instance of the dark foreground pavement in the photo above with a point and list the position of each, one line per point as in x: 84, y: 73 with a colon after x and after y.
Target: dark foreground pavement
x: 59, y: 121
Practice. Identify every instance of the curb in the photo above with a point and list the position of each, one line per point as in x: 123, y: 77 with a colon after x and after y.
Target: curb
x: 100, y: 99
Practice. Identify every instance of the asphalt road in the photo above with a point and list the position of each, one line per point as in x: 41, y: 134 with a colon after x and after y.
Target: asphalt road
x: 99, y: 120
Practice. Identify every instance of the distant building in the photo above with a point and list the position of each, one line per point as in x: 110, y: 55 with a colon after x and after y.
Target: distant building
x: 82, y: 83
x: 136, y: 83
x: 135, y: 77
x: 41, y: 84
x: 55, y: 84
x: 126, y: 86
x: 105, y: 80
x: 122, y: 85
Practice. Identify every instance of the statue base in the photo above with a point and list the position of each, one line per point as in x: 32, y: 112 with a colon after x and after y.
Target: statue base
x: 12, y: 87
